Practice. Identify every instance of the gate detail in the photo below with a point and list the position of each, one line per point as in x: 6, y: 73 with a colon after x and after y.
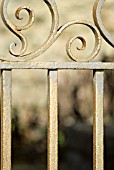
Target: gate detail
x: 19, y: 60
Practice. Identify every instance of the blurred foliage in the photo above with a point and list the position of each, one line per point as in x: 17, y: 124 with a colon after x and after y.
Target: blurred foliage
x: 61, y: 139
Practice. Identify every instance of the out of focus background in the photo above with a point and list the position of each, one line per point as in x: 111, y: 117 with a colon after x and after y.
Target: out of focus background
x: 29, y: 111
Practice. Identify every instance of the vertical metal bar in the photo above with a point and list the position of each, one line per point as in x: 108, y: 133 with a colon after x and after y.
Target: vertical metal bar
x: 6, y: 120
x: 52, y: 120
x: 98, y: 130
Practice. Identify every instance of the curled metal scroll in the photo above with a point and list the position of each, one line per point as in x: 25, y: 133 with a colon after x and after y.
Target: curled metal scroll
x: 98, y: 21
x: 55, y: 32
x: 16, y: 29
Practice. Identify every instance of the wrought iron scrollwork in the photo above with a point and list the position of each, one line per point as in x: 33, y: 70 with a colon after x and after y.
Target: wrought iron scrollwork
x: 16, y: 29
x: 55, y: 32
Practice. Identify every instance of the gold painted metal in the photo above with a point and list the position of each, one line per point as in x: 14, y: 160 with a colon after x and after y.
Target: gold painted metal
x: 16, y: 29
x: 58, y: 65
x: 55, y: 32
x: 98, y: 130
x: 98, y: 21
x: 17, y: 61
x: 6, y: 120
x: 52, y: 120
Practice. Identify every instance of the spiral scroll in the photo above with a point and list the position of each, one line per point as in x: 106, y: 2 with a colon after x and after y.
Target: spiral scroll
x: 16, y: 29
x: 55, y: 32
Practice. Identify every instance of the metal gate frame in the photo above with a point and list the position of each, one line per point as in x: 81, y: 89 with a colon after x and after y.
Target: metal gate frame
x: 17, y: 61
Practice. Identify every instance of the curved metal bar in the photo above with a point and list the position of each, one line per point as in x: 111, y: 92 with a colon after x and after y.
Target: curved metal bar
x: 51, y: 38
x: 55, y: 32
x: 68, y: 46
x: 15, y: 29
x: 31, y: 17
x: 98, y: 21
x: 69, y: 43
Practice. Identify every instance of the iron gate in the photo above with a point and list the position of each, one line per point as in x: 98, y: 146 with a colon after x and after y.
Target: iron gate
x: 21, y: 61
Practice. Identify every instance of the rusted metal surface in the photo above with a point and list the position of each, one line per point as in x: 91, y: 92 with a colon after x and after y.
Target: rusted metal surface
x: 52, y: 120
x: 98, y: 132
x: 6, y: 120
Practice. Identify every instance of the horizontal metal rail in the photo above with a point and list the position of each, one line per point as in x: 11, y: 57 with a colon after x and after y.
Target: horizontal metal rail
x: 58, y: 65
